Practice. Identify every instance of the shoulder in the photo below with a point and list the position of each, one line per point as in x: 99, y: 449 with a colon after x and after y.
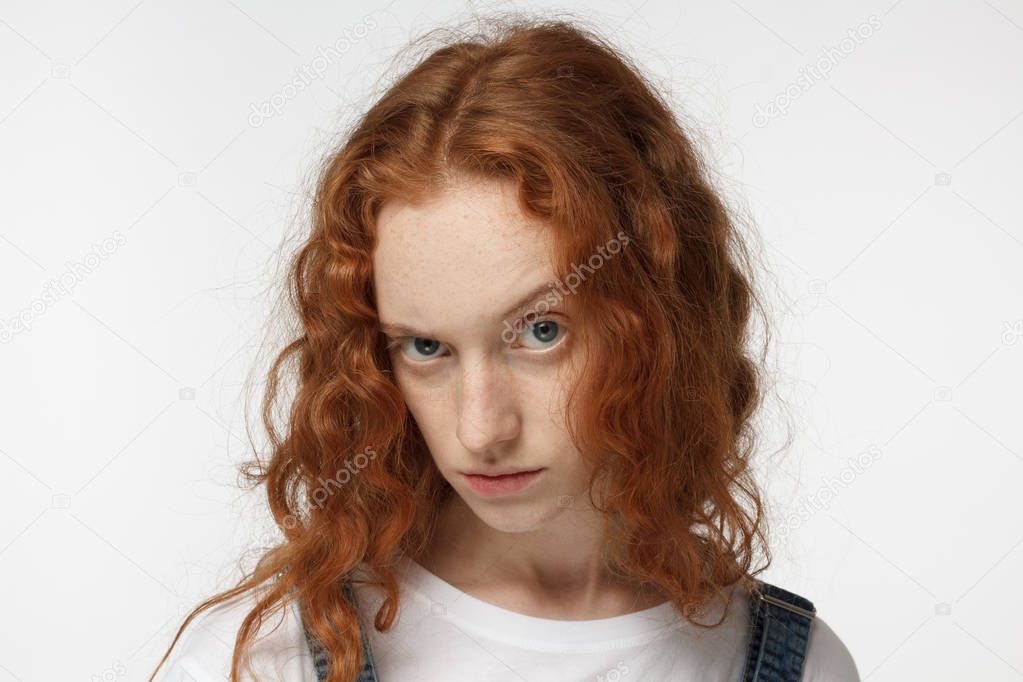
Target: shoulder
x: 827, y: 657
x: 206, y: 647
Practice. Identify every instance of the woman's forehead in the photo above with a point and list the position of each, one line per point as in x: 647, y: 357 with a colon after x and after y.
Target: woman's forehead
x: 467, y: 253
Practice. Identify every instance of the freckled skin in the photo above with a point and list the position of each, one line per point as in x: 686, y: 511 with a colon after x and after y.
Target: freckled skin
x: 452, y: 267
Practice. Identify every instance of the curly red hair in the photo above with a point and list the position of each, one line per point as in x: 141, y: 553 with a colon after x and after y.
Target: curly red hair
x: 662, y: 408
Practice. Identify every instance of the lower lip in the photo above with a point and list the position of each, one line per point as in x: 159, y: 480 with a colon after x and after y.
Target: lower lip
x: 494, y: 486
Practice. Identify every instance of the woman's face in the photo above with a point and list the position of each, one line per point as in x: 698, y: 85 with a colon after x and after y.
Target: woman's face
x: 485, y: 388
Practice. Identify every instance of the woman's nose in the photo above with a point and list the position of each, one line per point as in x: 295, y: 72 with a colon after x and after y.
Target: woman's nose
x: 487, y: 407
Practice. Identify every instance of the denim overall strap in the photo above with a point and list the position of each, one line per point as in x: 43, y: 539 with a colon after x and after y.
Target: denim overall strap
x: 321, y: 657
x: 779, y: 635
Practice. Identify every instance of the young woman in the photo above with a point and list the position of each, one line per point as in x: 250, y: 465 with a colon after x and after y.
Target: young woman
x: 520, y: 441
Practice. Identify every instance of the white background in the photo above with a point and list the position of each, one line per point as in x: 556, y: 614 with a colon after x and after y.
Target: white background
x: 887, y: 197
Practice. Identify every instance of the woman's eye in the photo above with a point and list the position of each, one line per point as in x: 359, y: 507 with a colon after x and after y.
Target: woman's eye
x: 537, y: 336
x: 420, y: 348
x: 543, y: 333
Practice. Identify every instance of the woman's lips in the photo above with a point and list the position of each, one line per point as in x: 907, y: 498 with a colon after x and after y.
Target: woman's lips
x: 495, y: 486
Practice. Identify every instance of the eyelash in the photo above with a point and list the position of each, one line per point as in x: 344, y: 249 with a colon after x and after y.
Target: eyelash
x: 397, y: 342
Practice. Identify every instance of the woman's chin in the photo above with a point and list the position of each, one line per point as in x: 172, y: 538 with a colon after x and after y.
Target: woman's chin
x: 522, y: 517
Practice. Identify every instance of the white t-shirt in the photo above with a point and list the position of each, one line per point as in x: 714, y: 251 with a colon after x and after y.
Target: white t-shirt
x: 444, y: 634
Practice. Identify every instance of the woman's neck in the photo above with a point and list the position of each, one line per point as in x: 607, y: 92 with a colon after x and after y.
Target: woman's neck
x: 556, y: 572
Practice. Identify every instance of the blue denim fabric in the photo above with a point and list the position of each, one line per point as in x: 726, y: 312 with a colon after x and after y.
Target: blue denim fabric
x: 779, y: 634
x: 321, y: 658
x: 775, y: 651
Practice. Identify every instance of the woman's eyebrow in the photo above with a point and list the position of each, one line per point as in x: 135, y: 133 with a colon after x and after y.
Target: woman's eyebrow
x: 399, y: 329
